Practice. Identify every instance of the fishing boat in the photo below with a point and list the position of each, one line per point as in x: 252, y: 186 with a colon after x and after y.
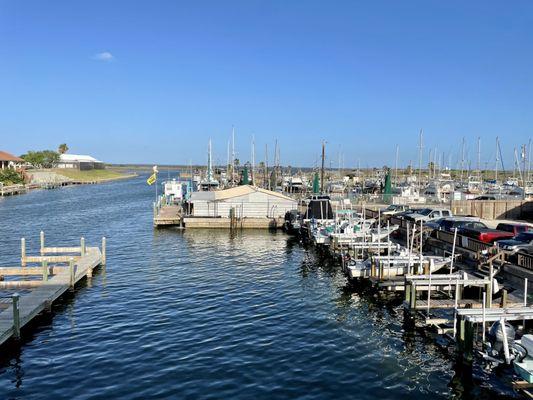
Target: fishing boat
x: 400, y: 262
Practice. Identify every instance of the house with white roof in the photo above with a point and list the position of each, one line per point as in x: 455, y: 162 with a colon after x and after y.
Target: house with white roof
x: 80, y: 162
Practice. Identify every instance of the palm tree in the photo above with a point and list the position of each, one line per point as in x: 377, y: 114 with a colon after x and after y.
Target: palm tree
x: 62, y: 149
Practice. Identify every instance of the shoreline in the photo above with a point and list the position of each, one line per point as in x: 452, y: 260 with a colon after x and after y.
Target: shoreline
x: 64, y: 180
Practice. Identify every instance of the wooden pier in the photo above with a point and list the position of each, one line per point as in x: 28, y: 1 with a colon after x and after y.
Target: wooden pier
x: 58, y: 270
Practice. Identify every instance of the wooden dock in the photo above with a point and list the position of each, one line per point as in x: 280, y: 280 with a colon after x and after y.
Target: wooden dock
x: 167, y: 215
x: 60, y: 268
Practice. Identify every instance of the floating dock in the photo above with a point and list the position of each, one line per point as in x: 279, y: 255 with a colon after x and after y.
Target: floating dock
x: 46, y: 277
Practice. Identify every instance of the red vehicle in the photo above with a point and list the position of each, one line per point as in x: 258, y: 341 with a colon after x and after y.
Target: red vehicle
x: 502, y: 231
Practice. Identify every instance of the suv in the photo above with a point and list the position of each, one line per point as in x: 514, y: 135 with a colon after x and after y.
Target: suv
x: 522, y: 241
x: 429, y: 214
x: 449, y: 224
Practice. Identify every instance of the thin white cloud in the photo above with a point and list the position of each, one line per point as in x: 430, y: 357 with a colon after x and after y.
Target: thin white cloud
x: 104, y: 56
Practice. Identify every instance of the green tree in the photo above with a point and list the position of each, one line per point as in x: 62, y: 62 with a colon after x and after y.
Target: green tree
x: 62, y: 149
x: 42, y: 159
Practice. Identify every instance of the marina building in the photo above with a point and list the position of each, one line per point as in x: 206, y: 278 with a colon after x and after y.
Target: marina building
x: 243, y: 206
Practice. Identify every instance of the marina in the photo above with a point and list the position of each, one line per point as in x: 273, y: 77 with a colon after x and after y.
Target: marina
x: 266, y: 200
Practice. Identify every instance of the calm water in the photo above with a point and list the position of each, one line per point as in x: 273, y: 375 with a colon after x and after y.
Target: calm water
x: 204, y: 314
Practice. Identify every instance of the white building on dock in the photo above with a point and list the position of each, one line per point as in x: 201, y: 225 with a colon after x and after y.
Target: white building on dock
x: 247, y: 201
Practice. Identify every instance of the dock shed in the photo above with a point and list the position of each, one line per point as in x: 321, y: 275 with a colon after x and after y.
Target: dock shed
x: 247, y: 201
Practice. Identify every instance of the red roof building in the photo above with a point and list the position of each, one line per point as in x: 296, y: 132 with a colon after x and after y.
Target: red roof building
x: 9, y: 160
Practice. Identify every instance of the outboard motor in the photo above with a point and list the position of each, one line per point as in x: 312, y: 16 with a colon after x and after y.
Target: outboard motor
x: 496, y: 339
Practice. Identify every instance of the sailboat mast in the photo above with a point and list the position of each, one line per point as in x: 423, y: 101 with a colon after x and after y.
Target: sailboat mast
x: 396, y: 165
x: 232, y: 155
x: 253, y: 160
x: 479, y: 157
x: 420, y: 159
x: 497, y: 159
x: 266, y: 180
x: 462, y: 158
x: 322, y: 168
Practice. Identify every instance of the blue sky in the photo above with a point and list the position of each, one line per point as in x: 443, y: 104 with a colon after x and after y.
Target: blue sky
x: 152, y: 81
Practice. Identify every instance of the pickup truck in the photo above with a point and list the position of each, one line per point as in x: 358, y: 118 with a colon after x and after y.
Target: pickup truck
x: 487, y: 235
x: 429, y: 214
x: 522, y: 242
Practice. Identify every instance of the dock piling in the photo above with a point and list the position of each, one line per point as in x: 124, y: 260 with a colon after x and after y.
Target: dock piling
x: 42, y: 242
x: 82, y: 246
x: 16, y: 316
x: 45, y: 270
x: 103, y: 250
x: 23, y: 252
x: 71, y: 273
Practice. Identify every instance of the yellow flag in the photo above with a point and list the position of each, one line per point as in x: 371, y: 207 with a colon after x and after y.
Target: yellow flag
x: 152, y: 179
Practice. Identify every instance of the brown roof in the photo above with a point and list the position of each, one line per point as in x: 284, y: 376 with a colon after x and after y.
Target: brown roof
x: 9, y: 157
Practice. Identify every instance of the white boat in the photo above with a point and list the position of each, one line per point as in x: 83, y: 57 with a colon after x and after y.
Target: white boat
x: 396, y: 265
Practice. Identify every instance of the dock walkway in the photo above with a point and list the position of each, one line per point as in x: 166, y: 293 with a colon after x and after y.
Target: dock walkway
x: 55, y: 281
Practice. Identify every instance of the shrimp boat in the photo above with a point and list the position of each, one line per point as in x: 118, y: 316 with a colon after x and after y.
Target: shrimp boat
x: 398, y: 263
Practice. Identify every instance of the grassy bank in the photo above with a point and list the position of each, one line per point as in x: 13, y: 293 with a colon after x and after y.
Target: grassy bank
x: 95, y: 175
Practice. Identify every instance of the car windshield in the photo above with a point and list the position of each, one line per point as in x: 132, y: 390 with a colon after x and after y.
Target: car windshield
x: 525, y: 237
x: 425, y: 211
x: 391, y: 208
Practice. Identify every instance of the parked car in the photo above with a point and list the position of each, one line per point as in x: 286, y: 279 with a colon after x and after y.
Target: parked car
x: 394, y: 209
x: 486, y: 235
x: 428, y: 214
x: 449, y: 224
x: 521, y: 242
x: 484, y: 197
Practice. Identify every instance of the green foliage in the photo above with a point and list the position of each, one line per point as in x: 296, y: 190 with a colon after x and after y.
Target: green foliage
x: 10, y: 177
x: 42, y: 159
x: 62, y: 149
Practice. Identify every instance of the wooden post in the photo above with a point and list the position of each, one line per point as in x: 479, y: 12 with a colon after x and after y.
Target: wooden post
x: 489, y: 291
x: 71, y: 273
x: 103, y: 251
x: 407, y: 290
x: 82, y: 246
x: 413, y: 296
x: 45, y: 270
x: 504, y: 298
x: 23, y: 252
x: 468, y: 344
x: 42, y: 242
x: 16, y: 316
